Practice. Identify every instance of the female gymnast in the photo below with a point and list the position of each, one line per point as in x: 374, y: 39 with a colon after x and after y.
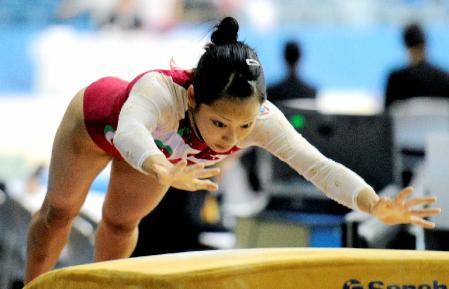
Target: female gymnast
x: 166, y: 128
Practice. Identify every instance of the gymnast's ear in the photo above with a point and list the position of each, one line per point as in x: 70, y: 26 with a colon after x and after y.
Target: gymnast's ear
x: 191, y: 97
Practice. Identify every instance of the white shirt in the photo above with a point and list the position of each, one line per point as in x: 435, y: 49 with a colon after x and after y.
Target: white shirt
x: 157, y: 104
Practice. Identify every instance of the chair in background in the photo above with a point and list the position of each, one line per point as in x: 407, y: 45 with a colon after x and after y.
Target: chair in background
x: 5, y: 238
x: 413, y: 121
x: 437, y: 184
x: 14, y: 225
x: 14, y: 221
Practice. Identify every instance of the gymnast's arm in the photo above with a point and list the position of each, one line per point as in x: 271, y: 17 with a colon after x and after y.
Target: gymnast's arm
x: 148, y: 102
x: 277, y: 135
x: 338, y: 182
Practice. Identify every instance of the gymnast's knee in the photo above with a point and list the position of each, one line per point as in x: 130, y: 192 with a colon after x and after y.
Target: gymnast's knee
x: 119, y: 228
x: 55, y: 217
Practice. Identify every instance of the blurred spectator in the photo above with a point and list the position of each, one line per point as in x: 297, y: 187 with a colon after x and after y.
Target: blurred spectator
x: 98, y: 11
x: 228, y: 7
x: 418, y: 77
x: 125, y: 14
x: 161, y: 15
x: 292, y: 86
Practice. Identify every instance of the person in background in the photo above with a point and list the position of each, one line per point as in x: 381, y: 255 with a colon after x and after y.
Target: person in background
x: 419, y: 78
x: 292, y: 86
x: 124, y: 15
x: 165, y: 129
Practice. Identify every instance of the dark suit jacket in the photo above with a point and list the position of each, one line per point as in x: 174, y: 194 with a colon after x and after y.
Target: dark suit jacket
x: 423, y: 79
x: 290, y: 88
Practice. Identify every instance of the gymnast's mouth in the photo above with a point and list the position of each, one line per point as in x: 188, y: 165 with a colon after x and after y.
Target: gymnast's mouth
x: 221, y: 148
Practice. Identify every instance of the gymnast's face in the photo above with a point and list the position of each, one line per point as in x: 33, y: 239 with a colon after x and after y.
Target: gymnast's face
x: 226, y: 122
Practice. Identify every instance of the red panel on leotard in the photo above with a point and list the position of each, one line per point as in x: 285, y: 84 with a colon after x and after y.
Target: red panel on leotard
x: 103, y: 100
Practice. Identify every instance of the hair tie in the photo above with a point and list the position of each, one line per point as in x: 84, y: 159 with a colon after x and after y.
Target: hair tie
x: 252, y: 62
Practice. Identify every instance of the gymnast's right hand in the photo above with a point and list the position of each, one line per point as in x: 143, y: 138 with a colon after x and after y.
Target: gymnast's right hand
x: 183, y: 177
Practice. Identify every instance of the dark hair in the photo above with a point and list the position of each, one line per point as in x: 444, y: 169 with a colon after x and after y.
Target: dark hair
x: 228, y: 68
x: 292, y: 52
x: 413, y: 36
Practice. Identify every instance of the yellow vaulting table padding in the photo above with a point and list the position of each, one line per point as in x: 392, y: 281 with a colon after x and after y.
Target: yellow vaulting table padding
x: 274, y: 268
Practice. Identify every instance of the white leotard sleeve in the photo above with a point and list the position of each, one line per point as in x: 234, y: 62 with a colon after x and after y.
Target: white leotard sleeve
x: 277, y: 135
x: 151, y: 103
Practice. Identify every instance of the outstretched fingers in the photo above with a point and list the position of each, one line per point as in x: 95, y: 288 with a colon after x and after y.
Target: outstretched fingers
x: 200, y: 171
x: 207, y: 185
x: 403, y: 195
x: 421, y: 222
x: 426, y: 212
x: 194, y: 169
x: 208, y: 173
x: 421, y: 201
x: 165, y: 175
x: 418, y: 216
x: 201, y: 175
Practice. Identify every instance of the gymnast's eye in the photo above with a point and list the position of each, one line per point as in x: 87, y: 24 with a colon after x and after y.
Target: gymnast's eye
x: 248, y: 125
x: 218, y: 123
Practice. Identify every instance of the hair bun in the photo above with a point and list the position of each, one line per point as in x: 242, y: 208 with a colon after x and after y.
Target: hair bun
x: 226, y: 32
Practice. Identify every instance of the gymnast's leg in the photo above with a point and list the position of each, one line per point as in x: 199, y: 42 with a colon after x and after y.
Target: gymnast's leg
x: 131, y: 196
x: 75, y: 162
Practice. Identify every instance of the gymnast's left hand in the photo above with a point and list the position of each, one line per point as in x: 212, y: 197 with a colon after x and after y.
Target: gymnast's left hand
x: 402, y: 209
